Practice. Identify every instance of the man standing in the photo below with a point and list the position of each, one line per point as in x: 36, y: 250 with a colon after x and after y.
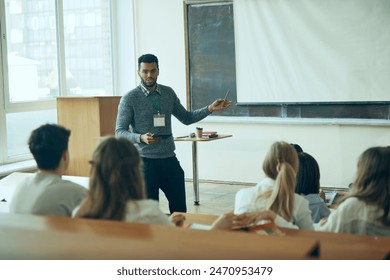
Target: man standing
x: 144, y: 117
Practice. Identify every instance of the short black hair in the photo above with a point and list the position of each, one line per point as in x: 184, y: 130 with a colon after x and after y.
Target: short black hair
x: 147, y: 58
x: 297, y: 147
x: 47, y: 144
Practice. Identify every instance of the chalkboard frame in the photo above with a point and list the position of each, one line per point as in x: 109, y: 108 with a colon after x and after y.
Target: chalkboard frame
x: 200, y: 95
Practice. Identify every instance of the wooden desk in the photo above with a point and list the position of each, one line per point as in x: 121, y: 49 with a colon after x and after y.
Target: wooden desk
x: 205, y: 219
x: 333, y: 246
x: 194, y: 141
x: 343, y: 246
x: 45, y: 237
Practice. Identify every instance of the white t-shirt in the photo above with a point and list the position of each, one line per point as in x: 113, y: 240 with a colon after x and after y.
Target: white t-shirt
x: 145, y: 211
x: 246, y: 201
x: 355, y: 216
x: 47, y: 194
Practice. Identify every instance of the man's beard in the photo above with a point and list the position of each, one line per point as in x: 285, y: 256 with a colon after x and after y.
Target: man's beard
x: 148, y: 84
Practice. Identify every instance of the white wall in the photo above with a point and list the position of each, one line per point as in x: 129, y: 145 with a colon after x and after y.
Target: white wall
x: 160, y: 30
x: 123, y: 44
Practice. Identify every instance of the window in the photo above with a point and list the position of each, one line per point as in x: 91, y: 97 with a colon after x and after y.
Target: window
x: 30, y: 59
x: 88, y: 57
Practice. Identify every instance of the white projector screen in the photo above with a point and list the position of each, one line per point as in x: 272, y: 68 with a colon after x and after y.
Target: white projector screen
x: 312, y: 50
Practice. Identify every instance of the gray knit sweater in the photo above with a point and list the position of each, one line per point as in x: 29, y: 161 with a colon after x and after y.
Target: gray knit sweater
x: 135, y: 117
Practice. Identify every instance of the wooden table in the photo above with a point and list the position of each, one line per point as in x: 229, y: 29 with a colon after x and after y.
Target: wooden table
x: 63, y: 238
x: 332, y: 246
x: 344, y: 246
x: 194, y: 141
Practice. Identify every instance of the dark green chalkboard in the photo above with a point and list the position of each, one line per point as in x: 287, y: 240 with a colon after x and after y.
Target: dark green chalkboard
x: 211, y: 71
x: 211, y: 54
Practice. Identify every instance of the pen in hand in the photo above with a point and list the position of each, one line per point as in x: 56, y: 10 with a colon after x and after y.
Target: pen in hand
x: 227, y: 93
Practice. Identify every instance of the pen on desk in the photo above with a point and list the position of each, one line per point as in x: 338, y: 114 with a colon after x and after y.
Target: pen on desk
x: 227, y: 93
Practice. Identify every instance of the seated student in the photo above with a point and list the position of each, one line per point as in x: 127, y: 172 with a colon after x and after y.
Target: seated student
x: 117, y: 190
x: 46, y: 193
x: 308, y: 185
x: 116, y: 186
x: 365, y: 209
x: 277, y: 191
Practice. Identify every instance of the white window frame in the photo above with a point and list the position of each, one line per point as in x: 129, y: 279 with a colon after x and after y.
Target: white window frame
x: 124, y: 76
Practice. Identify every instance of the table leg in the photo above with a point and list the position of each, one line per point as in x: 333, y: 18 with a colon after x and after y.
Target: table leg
x: 195, y: 172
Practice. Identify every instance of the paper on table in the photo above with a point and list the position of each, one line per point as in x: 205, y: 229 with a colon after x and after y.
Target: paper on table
x: 199, y: 226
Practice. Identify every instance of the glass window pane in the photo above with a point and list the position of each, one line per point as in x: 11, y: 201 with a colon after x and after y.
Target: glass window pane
x: 32, y: 50
x: 88, y: 59
x: 19, y: 130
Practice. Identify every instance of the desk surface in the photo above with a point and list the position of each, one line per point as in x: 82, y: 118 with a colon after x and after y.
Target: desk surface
x: 194, y: 139
x: 333, y: 246
x: 44, y: 237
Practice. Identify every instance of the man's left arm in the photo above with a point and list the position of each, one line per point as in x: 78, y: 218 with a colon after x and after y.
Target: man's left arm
x: 190, y: 117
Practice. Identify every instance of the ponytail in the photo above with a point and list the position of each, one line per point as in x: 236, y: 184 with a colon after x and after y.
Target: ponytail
x: 281, y: 200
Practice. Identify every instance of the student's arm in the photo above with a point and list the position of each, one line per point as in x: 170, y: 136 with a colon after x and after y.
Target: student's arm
x: 302, y: 213
x: 177, y: 219
x: 334, y: 222
x: 230, y: 221
x: 252, y: 218
x: 341, y: 217
x: 242, y: 201
x: 281, y: 222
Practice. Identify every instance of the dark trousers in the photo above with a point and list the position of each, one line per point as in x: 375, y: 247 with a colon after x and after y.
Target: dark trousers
x: 166, y: 174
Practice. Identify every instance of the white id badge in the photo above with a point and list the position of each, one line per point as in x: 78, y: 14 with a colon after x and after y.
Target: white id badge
x: 159, y: 120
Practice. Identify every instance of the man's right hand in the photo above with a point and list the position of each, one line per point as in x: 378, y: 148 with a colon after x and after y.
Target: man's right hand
x: 148, y: 138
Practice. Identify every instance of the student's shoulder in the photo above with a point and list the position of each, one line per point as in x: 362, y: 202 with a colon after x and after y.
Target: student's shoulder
x: 246, y: 191
x: 244, y: 197
x: 67, y: 185
x: 313, y: 199
x: 143, y: 205
x: 352, y: 204
x: 26, y: 182
x: 145, y: 202
x: 145, y: 210
x: 301, y: 203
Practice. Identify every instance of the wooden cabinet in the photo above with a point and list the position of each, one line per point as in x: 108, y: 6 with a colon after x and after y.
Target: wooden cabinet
x: 89, y: 119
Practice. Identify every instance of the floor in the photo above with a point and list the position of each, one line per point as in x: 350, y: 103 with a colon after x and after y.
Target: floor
x: 214, y: 197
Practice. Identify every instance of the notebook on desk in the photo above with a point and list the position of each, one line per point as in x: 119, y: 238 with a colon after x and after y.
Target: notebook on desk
x: 209, y: 134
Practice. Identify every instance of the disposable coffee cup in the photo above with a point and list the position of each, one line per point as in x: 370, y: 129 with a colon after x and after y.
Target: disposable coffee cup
x: 199, y: 132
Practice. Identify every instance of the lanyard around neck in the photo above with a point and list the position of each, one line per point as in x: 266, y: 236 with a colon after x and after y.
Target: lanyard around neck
x: 156, y: 105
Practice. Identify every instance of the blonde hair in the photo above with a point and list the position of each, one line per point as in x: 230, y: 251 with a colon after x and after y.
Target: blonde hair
x: 115, y: 178
x: 281, y: 164
x: 372, y: 182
